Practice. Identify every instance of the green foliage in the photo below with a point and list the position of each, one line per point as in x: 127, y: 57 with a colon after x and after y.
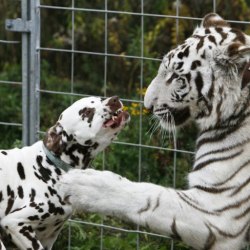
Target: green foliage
x: 124, y: 78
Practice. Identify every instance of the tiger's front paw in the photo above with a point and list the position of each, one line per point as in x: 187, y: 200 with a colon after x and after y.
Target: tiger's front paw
x: 92, y: 190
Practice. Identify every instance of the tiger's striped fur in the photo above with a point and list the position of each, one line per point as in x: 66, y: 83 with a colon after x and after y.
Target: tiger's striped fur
x: 206, y: 79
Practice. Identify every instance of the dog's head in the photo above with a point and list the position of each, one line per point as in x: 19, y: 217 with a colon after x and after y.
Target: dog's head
x: 88, y: 125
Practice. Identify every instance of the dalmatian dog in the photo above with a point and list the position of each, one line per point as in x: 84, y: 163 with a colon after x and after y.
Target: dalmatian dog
x: 33, y: 209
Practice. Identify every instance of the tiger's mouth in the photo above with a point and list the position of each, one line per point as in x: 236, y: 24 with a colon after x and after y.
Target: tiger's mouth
x: 168, y: 115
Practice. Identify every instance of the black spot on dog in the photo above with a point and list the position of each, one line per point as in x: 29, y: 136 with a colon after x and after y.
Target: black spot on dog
x: 20, y: 170
x: 87, y: 113
x: 95, y: 145
x: 58, y: 171
x: 32, y: 195
x: 26, y: 231
x: 20, y: 192
x: 1, y: 196
x: 34, y: 217
x: 40, y: 210
x: 69, y: 137
x: 10, y: 192
x: 88, y: 142
x: 45, y: 216
x: 55, y: 210
x: 4, y: 152
x: 9, y: 205
x: 45, y: 173
x: 52, y: 191
x: 33, y: 204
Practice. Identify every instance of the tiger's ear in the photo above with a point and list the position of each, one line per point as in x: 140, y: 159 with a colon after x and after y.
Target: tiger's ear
x: 235, y: 54
x: 214, y: 20
x: 239, y: 53
x: 235, y: 57
x: 53, y: 139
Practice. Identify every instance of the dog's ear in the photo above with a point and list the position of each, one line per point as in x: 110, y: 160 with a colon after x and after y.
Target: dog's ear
x: 53, y: 139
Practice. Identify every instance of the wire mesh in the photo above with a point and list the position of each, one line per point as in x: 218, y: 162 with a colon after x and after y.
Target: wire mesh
x: 9, y: 124
x: 107, y: 55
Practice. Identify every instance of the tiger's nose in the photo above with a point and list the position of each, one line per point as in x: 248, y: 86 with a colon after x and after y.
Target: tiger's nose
x: 114, y: 103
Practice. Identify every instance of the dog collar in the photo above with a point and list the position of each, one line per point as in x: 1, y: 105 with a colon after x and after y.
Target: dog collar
x: 55, y: 160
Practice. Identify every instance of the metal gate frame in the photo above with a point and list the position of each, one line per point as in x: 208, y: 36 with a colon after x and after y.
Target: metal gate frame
x: 29, y: 26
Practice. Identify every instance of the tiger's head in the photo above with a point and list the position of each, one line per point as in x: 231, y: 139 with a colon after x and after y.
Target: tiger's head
x: 206, y: 78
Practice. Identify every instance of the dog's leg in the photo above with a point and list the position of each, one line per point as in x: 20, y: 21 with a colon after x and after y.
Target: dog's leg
x: 22, y: 233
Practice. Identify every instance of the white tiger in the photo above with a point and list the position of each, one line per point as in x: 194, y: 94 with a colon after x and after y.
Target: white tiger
x: 207, y: 79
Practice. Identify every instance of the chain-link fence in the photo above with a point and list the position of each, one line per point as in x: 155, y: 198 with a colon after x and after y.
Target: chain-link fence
x: 75, y: 48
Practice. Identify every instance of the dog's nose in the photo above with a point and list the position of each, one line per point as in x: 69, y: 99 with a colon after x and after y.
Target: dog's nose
x: 114, y: 103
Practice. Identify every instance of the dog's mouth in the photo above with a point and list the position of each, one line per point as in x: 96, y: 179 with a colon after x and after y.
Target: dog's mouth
x: 118, y: 118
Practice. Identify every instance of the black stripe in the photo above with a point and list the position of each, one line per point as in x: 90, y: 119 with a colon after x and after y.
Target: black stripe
x: 243, y: 214
x: 199, y: 84
x: 219, y: 136
x: 239, y: 188
x: 211, y: 89
x: 146, y: 208
x: 212, y: 190
x: 211, y: 239
x: 229, y: 127
x: 210, y: 161
x: 239, y: 35
x: 157, y: 203
x: 234, y: 205
x: 231, y: 235
x: 180, y: 64
x: 190, y: 199
x: 212, y: 39
x: 195, y: 64
x: 247, y: 237
x: 175, y: 235
x: 174, y: 76
x: 200, y: 43
x: 221, y: 150
x: 234, y: 174
x: 207, y: 31
x: 222, y: 33
x: 194, y: 205
x: 218, y: 107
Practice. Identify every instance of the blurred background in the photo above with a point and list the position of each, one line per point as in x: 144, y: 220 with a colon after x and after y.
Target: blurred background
x: 105, y: 48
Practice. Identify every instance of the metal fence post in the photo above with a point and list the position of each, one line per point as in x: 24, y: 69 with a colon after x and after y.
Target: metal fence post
x: 29, y: 26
